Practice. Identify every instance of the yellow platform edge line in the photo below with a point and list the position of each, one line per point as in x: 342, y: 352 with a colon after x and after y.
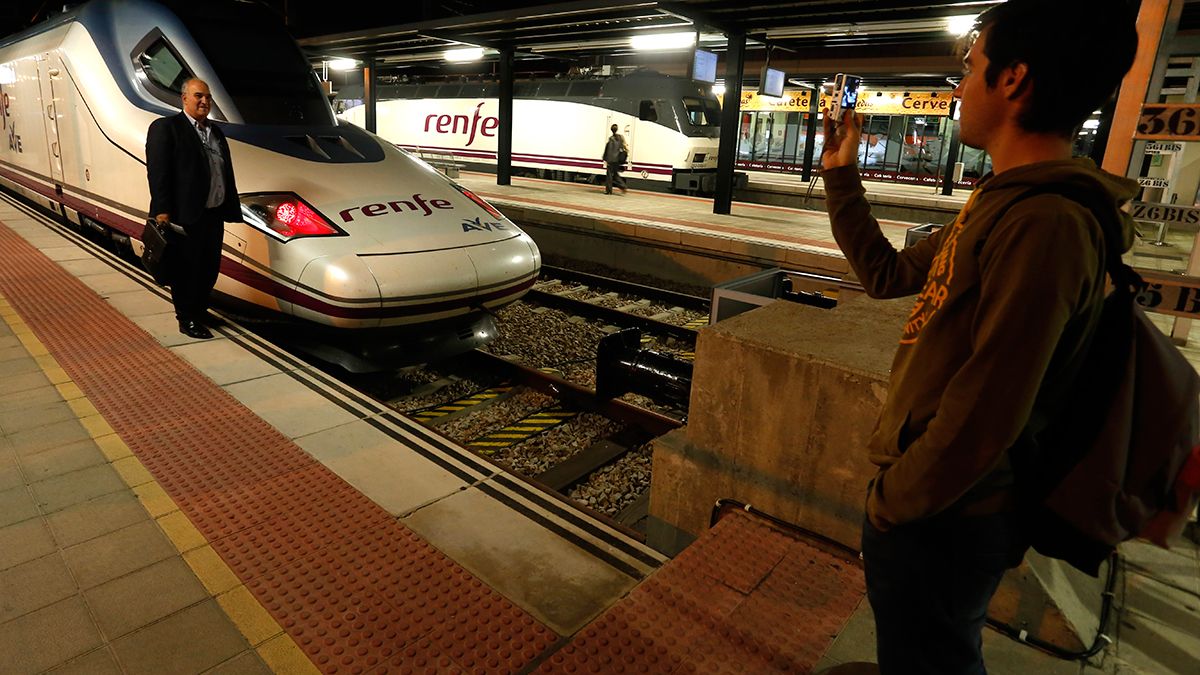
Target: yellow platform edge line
x: 277, y: 649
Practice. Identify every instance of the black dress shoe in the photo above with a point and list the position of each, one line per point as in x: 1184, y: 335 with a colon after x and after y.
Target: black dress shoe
x: 194, y: 329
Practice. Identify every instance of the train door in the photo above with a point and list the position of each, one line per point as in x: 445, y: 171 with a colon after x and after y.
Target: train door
x: 50, y: 69
x: 626, y: 126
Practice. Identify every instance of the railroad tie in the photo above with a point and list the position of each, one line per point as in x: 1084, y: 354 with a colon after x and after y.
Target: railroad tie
x: 522, y: 430
x: 460, y: 404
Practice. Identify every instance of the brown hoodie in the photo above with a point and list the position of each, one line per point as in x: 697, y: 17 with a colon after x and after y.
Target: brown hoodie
x: 998, y: 325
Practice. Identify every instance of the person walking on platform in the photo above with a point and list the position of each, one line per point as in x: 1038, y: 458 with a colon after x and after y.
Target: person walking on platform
x: 192, y: 185
x: 616, y: 153
x: 1006, y: 297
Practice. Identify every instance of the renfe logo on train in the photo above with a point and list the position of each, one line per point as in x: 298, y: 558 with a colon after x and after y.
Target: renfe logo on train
x: 417, y: 203
x: 449, y: 124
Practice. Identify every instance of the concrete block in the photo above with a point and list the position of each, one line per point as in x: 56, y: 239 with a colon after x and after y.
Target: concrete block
x: 783, y: 401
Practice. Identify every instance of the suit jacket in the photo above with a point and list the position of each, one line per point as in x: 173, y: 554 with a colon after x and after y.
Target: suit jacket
x: 178, y: 170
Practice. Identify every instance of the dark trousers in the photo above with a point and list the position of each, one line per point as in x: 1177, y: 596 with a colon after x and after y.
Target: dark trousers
x: 929, y: 584
x: 195, y: 262
x: 613, y: 176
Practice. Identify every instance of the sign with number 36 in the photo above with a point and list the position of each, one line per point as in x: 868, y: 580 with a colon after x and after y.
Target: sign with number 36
x: 1169, y: 121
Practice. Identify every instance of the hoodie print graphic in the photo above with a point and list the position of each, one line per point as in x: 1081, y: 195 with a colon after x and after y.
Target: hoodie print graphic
x: 937, y: 284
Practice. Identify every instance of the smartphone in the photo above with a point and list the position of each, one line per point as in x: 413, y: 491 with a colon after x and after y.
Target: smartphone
x: 845, y: 94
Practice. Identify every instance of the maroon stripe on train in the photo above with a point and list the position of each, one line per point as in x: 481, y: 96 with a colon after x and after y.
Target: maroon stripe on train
x: 662, y: 169
x: 110, y: 218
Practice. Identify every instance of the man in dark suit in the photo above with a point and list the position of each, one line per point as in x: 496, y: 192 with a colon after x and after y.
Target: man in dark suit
x: 192, y: 186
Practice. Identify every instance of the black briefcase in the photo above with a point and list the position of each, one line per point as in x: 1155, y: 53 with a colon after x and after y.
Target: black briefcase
x: 156, y: 239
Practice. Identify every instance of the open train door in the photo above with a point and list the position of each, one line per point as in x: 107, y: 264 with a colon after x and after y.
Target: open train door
x: 50, y: 69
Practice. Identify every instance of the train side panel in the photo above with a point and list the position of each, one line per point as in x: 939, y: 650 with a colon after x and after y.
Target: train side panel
x: 25, y: 151
x: 103, y: 138
x: 553, y: 135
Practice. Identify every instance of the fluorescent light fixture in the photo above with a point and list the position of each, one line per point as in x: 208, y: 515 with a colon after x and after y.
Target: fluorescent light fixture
x: 464, y: 55
x: 960, y: 25
x: 662, y: 41
x: 718, y: 90
x: 1091, y: 124
x: 343, y: 64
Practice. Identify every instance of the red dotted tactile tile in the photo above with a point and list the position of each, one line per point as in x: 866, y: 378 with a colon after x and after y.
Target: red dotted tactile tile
x: 746, y: 597
x: 356, y: 589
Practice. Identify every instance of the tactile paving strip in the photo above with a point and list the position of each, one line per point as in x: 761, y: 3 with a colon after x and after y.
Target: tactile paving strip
x: 747, y: 597
x: 356, y: 589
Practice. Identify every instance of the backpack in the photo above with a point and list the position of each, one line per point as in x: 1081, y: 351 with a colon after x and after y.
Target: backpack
x: 1109, y: 460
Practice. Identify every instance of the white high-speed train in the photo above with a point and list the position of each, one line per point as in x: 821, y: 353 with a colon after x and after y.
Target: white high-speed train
x: 357, y: 241
x: 672, y: 125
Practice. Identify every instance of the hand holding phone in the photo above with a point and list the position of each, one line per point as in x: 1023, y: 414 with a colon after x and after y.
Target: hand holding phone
x: 842, y: 126
x: 845, y: 95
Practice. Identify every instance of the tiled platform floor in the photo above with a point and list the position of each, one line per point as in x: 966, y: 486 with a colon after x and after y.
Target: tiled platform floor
x: 91, y: 575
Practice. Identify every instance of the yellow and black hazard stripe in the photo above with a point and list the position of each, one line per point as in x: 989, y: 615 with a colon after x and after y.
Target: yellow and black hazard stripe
x: 461, y: 404
x: 519, y: 431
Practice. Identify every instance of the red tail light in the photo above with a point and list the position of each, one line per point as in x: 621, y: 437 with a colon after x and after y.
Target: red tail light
x: 285, y: 216
x: 492, y: 211
x: 301, y: 220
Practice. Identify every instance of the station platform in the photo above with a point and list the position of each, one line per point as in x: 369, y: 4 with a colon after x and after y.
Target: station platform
x: 914, y: 197
x: 178, y: 506
x: 678, y: 238
x: 172, y: 505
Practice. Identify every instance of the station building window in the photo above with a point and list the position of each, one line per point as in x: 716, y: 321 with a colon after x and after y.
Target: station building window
x: 896, y: 145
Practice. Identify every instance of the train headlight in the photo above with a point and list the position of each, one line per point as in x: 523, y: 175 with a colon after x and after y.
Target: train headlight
x: 285, y: 216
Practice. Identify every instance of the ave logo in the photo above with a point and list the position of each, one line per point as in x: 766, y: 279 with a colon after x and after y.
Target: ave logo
x: 474, y: 225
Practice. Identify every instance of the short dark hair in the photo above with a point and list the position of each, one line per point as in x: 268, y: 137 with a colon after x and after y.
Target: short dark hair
x: 1077, y: 52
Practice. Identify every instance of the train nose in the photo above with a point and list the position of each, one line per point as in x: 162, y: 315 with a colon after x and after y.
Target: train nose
x: 394, y: 289
x: 442, y: 284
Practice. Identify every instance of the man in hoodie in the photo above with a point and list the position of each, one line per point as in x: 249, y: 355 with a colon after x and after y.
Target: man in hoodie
x: 1005, y: 299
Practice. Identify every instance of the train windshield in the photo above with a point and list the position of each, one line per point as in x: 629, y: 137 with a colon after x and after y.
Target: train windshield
x: 702, y: 112
x: 258, y: 63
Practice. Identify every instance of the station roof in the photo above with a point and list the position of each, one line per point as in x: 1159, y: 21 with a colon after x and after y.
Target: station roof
x: 809, y: 37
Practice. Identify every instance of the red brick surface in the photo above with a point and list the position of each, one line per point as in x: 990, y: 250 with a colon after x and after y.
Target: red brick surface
x: 747, y: 597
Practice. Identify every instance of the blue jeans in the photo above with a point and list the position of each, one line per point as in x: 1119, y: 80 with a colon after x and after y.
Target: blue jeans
x: 929, y: 584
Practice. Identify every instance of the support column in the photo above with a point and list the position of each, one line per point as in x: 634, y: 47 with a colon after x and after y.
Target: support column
x: 370, y: 95
x: 731, y: 119
x: 504, y: 132
x: 810, y: 139
x: 1156, y: 25
x: 952, y: 156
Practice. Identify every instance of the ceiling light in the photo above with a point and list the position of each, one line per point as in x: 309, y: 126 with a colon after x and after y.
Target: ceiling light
x: 343, y: 64
x: 718, y: 90
x: 960, y: 25
x: 464, y: 55
x: 662, y: 41
x: 1091, y: 124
